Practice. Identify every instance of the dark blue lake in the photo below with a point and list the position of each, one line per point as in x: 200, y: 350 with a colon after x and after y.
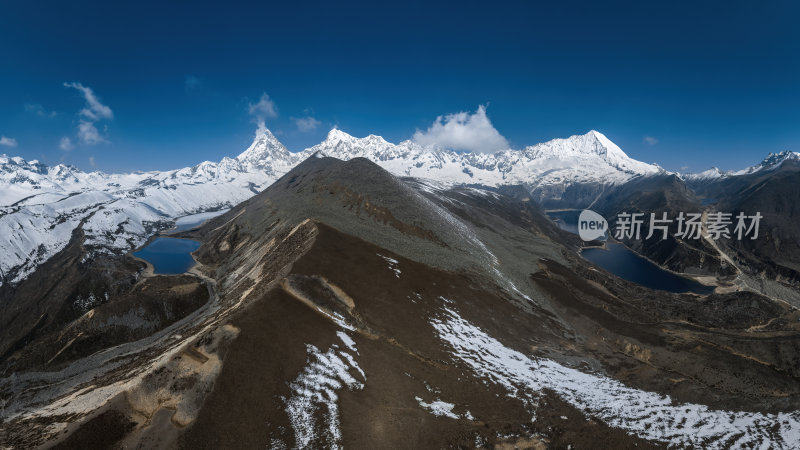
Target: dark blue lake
x: 708, y: 201
x: 626, y: 264
x: 169, y: 256
x: 566, y: 220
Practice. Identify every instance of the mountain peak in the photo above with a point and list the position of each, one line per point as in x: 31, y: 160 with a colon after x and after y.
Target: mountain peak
x: 265, y: 148
x: 596, y: 134
x: 579, y: 145
x: 706, y: 175
x: 771, y: 161
x: 344, y: 146
x: 775, y: 159
x: 592, y: 152
x: 338, y: 135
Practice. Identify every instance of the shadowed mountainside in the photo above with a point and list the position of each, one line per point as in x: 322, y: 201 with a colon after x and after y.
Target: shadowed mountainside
x: 347, y: 307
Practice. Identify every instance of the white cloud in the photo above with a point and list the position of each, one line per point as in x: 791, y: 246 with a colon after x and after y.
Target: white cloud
x: 88, y: 134
x: 94, y: 109
x: 8, y: 142
x: 35, y: 108
x: 94, y: 112
x: 463, y: 131
x: 65, y: 144
x: 650, y: 140
x: 262, y: 127
x: 263, y: 109
x: 91, y: 161
x: 306, y: 124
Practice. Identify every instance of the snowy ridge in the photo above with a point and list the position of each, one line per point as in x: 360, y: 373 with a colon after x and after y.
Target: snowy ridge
x: 645, y: 414
x: 314, y: 394
x: 771, y: 162
x: 589, y: 158
x: 40, y: 206
x: 43, y: 205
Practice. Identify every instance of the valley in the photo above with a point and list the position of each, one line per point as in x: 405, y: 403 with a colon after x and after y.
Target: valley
x: 352, y: 303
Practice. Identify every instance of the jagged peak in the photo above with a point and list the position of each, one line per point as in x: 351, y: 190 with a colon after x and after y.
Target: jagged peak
x: 265, y: 146
x: 18, y: 160
x: 777, y: 158
x: 770, y: 162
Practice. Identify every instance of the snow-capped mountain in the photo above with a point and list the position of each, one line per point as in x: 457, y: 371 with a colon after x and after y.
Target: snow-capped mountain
x: 589, y: 158
x: 265, y: 154
x: 41, y: 205
x: 771, y: 162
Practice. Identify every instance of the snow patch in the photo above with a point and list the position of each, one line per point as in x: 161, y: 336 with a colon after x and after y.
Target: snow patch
x: 439, y: 408
x: 314, y: 395
x: 348, y: 341
x: 646, y: 414
x: 393, y: 263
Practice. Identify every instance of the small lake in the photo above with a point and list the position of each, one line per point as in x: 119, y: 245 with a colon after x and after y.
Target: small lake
x: 566, y: 220
x: 195, y: 220
x: 626, y: 264
x: 169, y: 256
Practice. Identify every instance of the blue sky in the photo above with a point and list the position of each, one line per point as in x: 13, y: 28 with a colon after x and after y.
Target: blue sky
x: 684, y: 84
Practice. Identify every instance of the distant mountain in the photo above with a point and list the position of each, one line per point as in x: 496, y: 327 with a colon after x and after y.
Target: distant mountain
x: 552, y: 171
x: 771, y: 162
x: 773, y: 190
x: 769, y: 264
x: 117, y: 212
x: 42, y: 205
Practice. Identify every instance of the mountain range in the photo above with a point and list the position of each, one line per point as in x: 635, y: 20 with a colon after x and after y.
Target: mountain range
x: 42, y: 205
x: 371, y: 295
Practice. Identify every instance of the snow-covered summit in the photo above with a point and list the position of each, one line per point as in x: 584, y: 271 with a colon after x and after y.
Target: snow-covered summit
x: 592, y: 143
x: 590, y: 147
x: 588, y: 158
x: 343, y: 146
x: 41, y: 205
x: 711, y: 174
x: 266, y: 153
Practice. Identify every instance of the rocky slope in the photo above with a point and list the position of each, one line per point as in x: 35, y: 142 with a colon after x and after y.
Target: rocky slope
x: 373, y: 312
x: 768, y: 264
